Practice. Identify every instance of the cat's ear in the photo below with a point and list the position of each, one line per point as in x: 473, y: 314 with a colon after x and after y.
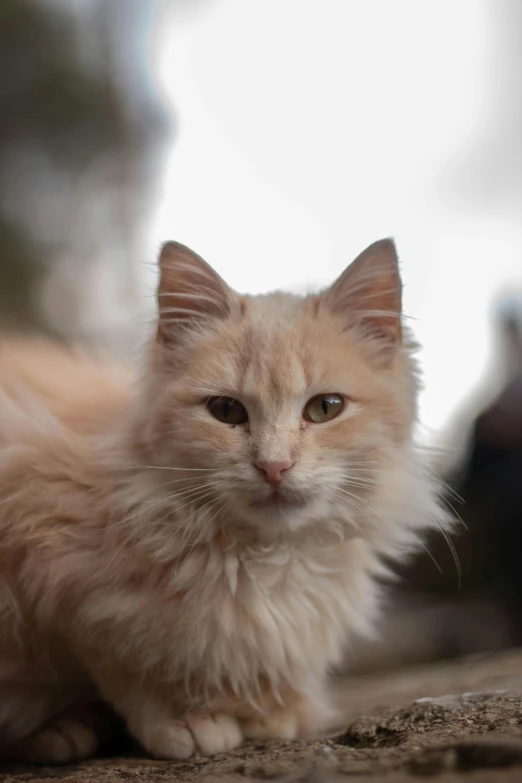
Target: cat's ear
x: 369, y: 293
x: 189, y: 291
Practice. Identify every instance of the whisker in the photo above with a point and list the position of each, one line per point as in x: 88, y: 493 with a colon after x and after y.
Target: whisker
x: 452, y: 549
x: 200, y: 536
x: 355, y: 500
x: 164, y: 499
x: 167, y: 467
x: 411, y: 532
x: 193, y: 500
x: 363, y: 483
x: 449, y: 489
x: 172, y: 496
x: 154, y: 523
x: 206, y: 527
x: 177, y: 481
x: 454, y: 511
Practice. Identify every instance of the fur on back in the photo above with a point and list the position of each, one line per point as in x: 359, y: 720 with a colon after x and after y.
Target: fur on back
x: 144, y: 557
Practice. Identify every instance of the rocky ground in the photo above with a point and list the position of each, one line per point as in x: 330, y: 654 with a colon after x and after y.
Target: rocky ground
x: 452, y: 721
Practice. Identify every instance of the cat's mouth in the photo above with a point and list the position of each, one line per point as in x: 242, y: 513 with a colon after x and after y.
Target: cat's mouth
x: 276, y: 499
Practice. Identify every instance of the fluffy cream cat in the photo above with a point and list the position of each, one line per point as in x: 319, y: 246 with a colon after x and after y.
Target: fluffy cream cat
x: 199, y: 549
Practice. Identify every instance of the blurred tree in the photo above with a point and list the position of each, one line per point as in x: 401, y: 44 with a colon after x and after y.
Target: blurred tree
x: 78, y: 144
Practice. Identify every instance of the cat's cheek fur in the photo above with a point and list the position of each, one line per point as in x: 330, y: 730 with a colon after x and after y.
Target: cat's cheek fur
x: 175, y: 432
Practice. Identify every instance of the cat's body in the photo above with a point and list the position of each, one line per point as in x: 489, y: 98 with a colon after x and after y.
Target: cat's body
x: 143, y: 556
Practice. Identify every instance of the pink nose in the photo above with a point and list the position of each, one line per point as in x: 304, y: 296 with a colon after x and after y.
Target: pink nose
x: 273, y: 471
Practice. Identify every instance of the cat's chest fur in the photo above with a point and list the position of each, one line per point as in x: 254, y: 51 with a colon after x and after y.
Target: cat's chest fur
x: 238, y: 616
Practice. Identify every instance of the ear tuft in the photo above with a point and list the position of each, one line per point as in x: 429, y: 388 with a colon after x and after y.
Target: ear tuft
x: 189, y: 290
x: 369, y: 293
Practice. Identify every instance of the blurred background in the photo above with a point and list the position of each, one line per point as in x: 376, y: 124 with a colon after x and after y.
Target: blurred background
x: 278, y: 138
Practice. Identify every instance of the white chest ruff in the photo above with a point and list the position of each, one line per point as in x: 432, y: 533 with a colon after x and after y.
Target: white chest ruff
x: 275, y: 616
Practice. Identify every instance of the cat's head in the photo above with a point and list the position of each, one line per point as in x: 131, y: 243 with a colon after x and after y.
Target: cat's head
x: 280, y: 408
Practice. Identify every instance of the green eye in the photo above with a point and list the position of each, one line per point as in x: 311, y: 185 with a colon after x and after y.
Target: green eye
x: 227, y: 410
x: 324, y: 407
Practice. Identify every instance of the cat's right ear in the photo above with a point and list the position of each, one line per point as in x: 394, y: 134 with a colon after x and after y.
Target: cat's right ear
x: 189, y: 291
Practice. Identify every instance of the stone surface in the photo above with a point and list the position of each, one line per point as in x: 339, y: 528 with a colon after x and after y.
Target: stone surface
x: 452, y: 721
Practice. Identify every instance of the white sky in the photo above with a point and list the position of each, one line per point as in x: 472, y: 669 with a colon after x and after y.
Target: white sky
x: 309, y: 129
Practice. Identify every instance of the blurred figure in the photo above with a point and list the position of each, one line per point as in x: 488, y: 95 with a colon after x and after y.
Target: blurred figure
x: 464, y: 596
x: 491, y: 487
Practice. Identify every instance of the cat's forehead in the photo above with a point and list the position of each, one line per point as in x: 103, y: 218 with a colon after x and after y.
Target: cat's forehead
x: 273, y: 363
x: 278, y: 349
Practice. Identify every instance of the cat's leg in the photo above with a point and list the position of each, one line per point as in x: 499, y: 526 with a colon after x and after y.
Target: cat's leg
x: 157, y: 714
x: 165, y: 728
x: 61, y: 740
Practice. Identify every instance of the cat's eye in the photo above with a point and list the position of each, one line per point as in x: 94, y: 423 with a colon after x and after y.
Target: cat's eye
x: 227, y: 410
x: 323, y: 407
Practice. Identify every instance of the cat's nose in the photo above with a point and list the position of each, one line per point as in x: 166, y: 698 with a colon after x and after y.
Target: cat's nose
x: 273, y: 471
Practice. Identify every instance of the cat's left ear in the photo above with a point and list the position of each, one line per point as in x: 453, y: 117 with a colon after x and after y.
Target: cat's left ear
x: 369, y: 294
x: 189, y: 291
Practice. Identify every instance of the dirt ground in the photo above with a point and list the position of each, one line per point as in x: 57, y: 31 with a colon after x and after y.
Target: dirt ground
x: 452, y: 721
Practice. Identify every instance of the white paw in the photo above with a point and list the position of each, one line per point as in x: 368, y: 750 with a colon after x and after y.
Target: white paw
x: 60, y: 741
x: 172, y: 740
x: 204, y: 732
x: 215, y: 732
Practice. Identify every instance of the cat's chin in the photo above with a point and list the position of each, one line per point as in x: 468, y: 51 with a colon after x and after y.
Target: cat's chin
x: 279, y: 519
x: 279, y: 501
x: 280, y: 512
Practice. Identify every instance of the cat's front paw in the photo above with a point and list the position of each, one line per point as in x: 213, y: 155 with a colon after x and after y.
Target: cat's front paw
x: 304, y: 718
x: 208, y: 733
x: 215, y: 732
x: 280, y: 724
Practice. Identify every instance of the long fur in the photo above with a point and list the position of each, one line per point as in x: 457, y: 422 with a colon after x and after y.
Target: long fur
x: 133, y: 564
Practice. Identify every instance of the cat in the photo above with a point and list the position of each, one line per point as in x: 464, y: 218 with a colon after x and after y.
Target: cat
x: 197, y: 545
